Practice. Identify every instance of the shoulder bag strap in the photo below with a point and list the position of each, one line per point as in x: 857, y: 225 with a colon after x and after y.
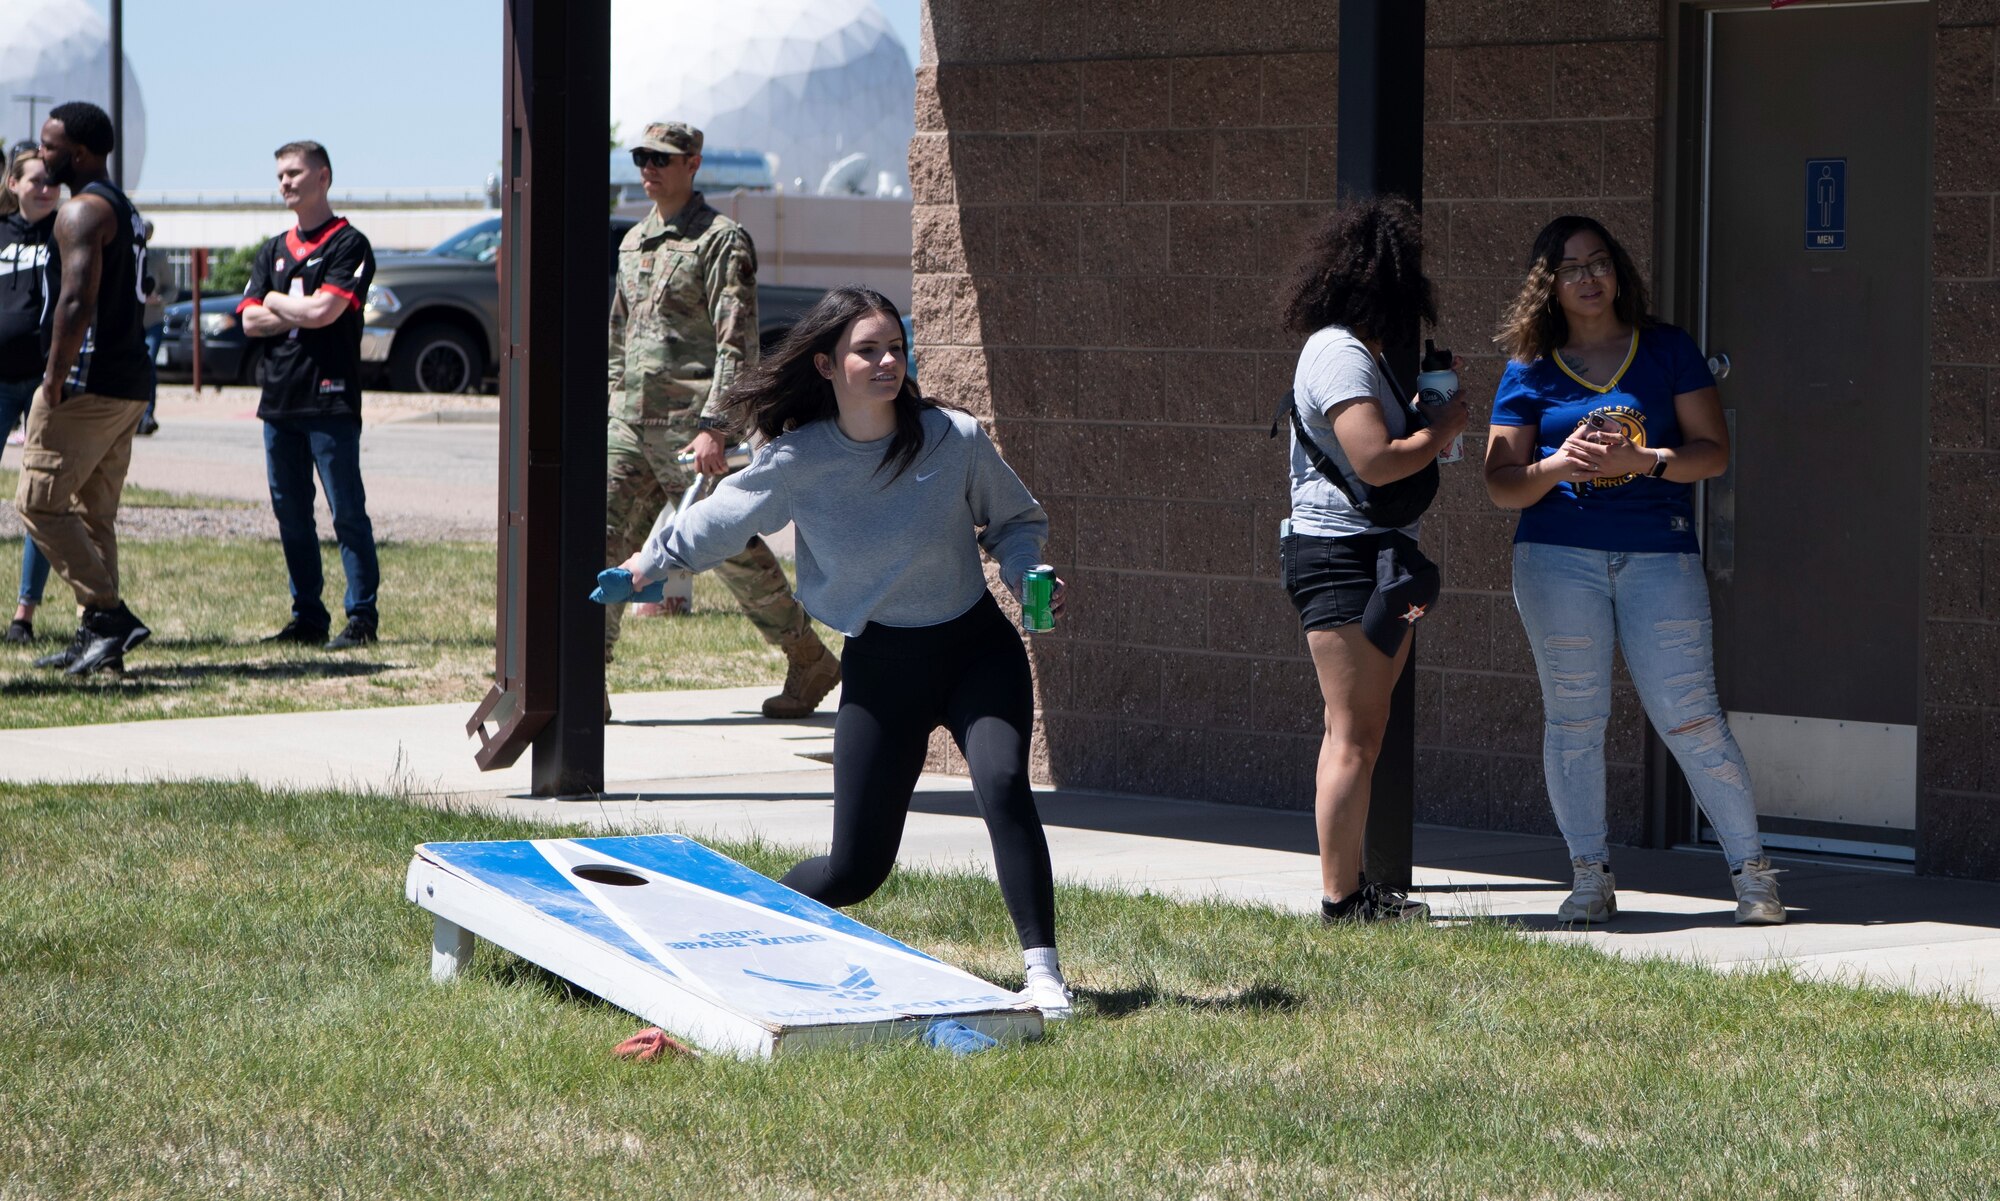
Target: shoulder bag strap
x: 1321, y: 461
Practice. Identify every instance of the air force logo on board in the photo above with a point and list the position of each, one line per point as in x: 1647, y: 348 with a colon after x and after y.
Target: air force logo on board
x: 858, y: 985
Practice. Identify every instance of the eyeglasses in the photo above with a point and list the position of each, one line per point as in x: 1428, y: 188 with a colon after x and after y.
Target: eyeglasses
x: 1596, y: 269
x: 654, y: 158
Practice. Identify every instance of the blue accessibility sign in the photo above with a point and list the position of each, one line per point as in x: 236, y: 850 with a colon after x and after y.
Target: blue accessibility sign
x: 1826, y: 204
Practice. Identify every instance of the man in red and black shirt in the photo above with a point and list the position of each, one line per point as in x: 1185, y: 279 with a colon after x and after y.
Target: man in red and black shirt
x: 307, y: 289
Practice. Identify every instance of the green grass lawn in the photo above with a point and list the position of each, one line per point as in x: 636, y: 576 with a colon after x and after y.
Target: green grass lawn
x: 210, y: 990
x: 209, y: 601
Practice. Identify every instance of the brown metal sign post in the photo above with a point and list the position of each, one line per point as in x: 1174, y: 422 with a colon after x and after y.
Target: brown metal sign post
x: 549, y: 650
x: 200, y: 270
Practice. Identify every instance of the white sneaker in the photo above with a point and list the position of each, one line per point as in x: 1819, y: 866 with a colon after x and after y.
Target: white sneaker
x: 1594, y: 895
x: 1757, y: 902
x: 1045, y: 991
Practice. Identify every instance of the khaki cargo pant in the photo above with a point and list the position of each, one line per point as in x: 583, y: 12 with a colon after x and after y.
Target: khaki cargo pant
x: 643, y: 476
x: 72, y: 474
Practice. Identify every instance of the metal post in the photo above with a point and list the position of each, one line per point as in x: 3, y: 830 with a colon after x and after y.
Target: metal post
x: 31, y: 99
x: 555, y: 261
x: 194, y: 318
x: 1381, y: 152
x: 118, y: 98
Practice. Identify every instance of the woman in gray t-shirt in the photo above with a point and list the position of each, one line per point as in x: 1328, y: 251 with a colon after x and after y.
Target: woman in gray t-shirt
x: 1359, y: 588
x: 893, y: 497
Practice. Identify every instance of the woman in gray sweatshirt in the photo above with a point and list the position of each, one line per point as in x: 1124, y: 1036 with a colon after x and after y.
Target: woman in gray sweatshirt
x: 892, y: 496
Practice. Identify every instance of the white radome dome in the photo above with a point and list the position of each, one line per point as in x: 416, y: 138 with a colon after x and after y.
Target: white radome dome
x: 809, y: 82
x: 62, y: 48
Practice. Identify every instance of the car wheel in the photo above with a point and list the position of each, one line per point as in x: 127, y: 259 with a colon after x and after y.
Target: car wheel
x: 434, y: 358
x: 251, y: 374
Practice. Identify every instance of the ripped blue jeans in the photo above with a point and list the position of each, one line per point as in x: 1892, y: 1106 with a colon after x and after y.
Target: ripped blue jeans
x: 1575, y: 603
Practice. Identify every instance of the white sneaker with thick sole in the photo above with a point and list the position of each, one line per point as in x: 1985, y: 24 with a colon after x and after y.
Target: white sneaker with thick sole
x: 1757, y: 902
x: 1594, y: 895
x: 1046, y: 991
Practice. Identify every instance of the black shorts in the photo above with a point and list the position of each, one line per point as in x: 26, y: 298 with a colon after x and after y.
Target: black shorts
x: 1328, y: 579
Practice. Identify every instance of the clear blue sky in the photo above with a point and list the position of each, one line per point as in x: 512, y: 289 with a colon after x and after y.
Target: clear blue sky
x: 409, y: 98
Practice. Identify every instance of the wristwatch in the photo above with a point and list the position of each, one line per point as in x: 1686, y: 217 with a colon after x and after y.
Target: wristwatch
x: 1659, y: 463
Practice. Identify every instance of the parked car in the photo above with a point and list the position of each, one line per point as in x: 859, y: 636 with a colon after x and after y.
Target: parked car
x: 431, y: 321
x: 227, y: 356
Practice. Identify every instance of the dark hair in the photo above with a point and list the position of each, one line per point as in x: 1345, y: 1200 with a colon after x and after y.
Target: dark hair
x: 312, y: 152
x: 1363, y: 269
x: 785, y: 389
x: 1535, y: 325
x: 85, y: 124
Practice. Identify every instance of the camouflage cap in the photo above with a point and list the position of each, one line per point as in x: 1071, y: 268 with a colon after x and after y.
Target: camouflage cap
x: 671, y: 137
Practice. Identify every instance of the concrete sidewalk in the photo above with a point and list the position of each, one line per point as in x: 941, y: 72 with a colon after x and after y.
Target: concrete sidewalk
x: 707, y: 764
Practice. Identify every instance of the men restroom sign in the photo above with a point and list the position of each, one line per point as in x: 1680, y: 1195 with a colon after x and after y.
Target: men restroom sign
x: 1826, y: 204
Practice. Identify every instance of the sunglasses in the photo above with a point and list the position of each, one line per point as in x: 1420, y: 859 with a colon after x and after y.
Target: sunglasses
x: 1595, y: 269
x: 654, y: 158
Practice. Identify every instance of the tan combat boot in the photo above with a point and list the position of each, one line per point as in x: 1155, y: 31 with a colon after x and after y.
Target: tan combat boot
x: 813, y: 673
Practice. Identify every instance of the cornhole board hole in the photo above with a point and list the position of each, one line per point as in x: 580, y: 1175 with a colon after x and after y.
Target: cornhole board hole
x: 695, y: 943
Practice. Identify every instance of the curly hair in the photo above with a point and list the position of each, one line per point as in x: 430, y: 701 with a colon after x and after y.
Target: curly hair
x: 1535, y: 325
x: 1363, y: 269
x: 87, y: 125
x: 785, y: 389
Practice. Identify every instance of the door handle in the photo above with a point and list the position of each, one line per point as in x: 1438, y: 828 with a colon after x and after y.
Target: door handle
x: 1719, y: 508
x: 1718, y: 365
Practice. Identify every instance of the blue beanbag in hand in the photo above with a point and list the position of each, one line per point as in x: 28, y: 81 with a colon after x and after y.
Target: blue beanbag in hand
x: 614, y: 587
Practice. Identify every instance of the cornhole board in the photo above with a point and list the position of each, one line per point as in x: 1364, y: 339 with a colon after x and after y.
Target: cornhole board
x: 695, y: 943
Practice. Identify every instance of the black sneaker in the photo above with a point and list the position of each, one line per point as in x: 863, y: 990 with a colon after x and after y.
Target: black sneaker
x: 359, y: 632
x: 19, y: 631
x: 67, y: 655
x: 299, y: 632
x: 148, y: 427
x: 108, y: 634
x: 1374, y: 903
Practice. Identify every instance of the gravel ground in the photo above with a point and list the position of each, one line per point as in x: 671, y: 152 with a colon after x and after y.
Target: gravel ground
x: 178, y: 401
x: 147, y: 524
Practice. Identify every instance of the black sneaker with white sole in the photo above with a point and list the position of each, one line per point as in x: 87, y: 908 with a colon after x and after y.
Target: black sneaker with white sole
x: 359, y: 632
x: 1373, y: 903
x: 108, y: 634
x: 299, y: 632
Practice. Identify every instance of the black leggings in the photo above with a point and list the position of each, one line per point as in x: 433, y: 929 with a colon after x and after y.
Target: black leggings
x: 969, y: 675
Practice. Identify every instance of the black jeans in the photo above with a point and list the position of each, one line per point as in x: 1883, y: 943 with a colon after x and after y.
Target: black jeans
x: 969, y: 675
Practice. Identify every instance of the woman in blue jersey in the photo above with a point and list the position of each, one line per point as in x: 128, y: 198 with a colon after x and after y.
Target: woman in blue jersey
x: 1603, y: 422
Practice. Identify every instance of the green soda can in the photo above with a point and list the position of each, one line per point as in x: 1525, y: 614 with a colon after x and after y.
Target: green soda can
x: 1038, y: 589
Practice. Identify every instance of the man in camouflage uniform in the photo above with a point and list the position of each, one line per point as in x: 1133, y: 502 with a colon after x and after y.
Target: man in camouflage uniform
x: 683, y: 324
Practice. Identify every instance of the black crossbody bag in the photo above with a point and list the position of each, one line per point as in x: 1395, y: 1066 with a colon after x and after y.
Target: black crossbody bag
x: 1389, y: 506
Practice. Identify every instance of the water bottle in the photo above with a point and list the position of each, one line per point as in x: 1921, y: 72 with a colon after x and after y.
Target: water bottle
x: 1437, y: 383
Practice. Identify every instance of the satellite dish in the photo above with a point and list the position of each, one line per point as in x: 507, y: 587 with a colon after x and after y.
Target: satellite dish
x: 844, y: 177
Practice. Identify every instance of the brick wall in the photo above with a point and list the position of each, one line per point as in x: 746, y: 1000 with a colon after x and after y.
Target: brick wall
x: 1531, y: 111
x: 1098, y: 246
x: 1107, y: 196
x: 1959, y: 815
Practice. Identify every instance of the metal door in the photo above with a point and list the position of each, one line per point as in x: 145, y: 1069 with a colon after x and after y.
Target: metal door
x: 1815, y: 284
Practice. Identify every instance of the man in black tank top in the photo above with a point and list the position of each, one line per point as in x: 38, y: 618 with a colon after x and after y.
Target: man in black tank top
x: 94, y: 388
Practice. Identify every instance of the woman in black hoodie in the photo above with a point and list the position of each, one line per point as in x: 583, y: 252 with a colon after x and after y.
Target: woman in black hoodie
x: 27, y: 221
